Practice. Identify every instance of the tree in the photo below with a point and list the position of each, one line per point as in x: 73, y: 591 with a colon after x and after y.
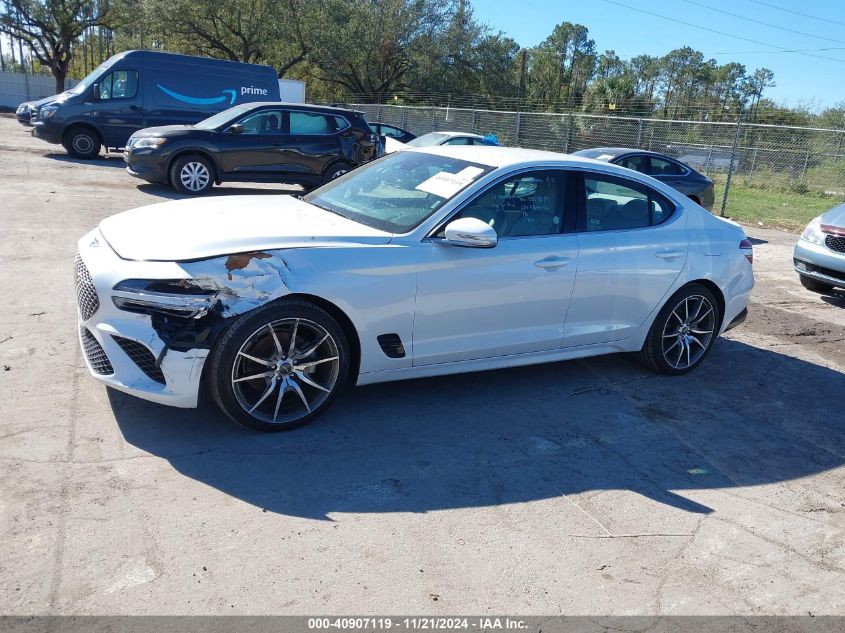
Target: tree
x: 755, y: 85
x: 562, y: 65
x: 368, y: 48
x: 251, y: 31
x: 49, y: 28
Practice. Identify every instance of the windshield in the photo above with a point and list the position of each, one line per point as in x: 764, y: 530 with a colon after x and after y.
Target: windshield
x: 427, y: 140
x: 399, y: 191
x: 90, y: 79
x: 221, y: 118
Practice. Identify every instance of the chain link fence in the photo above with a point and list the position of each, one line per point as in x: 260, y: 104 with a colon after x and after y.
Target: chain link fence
x: 798, y: 159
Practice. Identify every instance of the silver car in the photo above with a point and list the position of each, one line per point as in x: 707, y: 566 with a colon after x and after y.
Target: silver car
x: 820, y: 253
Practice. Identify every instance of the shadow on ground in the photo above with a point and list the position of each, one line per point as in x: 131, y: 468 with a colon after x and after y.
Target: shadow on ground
x: 165, y: 191
x: 743, y: 418
x: 109, y: 160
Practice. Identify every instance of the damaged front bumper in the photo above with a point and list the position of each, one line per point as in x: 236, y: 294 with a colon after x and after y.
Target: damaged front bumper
x: 125, y: 349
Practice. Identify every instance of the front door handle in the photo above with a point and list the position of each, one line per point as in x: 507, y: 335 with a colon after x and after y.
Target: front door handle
x: 278, y: 143
x: 669, y: 255
x: 552, y: 262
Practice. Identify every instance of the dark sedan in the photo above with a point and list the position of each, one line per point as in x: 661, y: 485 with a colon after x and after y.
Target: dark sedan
x: 256, y: 142
x: 386, y: 129
x: 695, y: 186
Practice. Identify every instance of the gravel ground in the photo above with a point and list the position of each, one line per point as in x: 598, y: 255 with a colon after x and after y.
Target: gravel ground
x: 585, y: 487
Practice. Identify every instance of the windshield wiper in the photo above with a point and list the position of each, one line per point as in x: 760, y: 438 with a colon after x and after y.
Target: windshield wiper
x: 329, y: 209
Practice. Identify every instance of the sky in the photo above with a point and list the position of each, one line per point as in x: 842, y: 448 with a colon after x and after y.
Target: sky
x: 815, y: 78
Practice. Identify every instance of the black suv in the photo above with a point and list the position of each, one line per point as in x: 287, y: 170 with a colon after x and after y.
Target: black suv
x: 255, y: 142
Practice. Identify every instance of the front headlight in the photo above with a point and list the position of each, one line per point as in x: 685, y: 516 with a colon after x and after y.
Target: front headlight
x: 176, y: 297
x: 47, y: 112
x: 148, y: 141
x: 813, y: 232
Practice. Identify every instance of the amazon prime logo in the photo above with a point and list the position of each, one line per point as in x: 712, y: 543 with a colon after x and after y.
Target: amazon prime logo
x: 228, y: 95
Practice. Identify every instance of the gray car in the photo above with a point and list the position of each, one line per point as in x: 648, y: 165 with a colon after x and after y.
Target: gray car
x: 819, y: 255
x: 695, y: 186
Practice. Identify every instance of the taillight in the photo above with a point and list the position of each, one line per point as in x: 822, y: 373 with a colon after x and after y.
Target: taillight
x: 747, y: 249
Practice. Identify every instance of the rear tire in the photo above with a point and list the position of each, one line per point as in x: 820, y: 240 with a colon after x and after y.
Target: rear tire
x: 192, y: 175
x: 683, y: 332
x: 816, y: 286
x: 82, y: 142
x: 279, y: 366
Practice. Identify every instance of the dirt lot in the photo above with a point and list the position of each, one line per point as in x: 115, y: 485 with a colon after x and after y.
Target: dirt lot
x: 586, y: 487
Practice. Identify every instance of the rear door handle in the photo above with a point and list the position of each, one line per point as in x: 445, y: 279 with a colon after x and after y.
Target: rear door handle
x: 278, y: 143
x: 552, y: 263
x: 669, y: 255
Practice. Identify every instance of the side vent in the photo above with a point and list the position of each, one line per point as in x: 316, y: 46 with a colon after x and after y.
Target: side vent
x: 391, y: 345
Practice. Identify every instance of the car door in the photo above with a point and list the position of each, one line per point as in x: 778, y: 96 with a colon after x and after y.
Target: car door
x: 632, y: 245
x: 673, y: 174
x: 312, y: 143
x: 258, y: 152
x: 119, y: 107
x: 477, y: 303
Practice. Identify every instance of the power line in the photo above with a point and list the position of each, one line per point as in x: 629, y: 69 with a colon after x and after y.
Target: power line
x: 803, y: 15
x: 792, y: 50
x: 769, y: 24
x: 704, y: 28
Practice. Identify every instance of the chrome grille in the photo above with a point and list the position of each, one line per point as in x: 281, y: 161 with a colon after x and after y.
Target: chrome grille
x: 97, y: 358
x: 86, y: 294
x: 835, y: 243
x: 141, y: 356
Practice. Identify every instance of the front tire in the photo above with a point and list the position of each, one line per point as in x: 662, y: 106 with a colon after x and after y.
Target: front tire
x: 280, y: 366
x: 192, y: 175
x: 82, y: 142
x: 816, y: 286
x: 336, y: 170
x: 683, y: 332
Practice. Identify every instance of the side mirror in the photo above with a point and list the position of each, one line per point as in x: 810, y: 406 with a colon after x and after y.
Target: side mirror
x: 235, y: 128
x: 95, y: 93
x: 471, y: 233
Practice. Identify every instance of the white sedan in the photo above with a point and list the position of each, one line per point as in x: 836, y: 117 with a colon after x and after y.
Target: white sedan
x: 425, y: 262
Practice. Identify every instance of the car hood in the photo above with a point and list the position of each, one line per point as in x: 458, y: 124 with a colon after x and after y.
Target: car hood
x: 200, y: 228
x: 393, y: 145
x: 835, y: 217
x: 164, y: 130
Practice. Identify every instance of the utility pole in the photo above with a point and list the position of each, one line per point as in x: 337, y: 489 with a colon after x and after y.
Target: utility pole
x: 731, y: 164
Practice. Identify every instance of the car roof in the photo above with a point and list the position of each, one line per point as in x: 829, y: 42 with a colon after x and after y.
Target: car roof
x: 453, y: 134
x: 304, y: 106
x: 497, y: 156
x: 609, y: 153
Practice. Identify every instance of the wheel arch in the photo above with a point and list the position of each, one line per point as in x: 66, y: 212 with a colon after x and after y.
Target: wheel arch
x: 76, y: 125
x: 345, y: 323
x: 717, y: 293
x: 193, y: 151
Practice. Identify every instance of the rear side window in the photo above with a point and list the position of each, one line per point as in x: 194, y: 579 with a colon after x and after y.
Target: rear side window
x: 387, y: 130
x: 615, y: 204
x: 660, y: 167
x: 637, y: 163
x: 311, y: 123
x: 460, y: 140
x: 340, y: 123
x: 120, y: 84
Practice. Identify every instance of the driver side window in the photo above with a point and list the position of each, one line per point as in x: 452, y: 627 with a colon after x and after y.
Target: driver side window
x: 120, y: 84
x: 528, y: 204
x: 264, y: 122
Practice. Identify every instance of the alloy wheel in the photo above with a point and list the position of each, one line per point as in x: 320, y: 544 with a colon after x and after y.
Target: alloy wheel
x: 688, y: 331
x: 194, y: 176
x: 285, y: 370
